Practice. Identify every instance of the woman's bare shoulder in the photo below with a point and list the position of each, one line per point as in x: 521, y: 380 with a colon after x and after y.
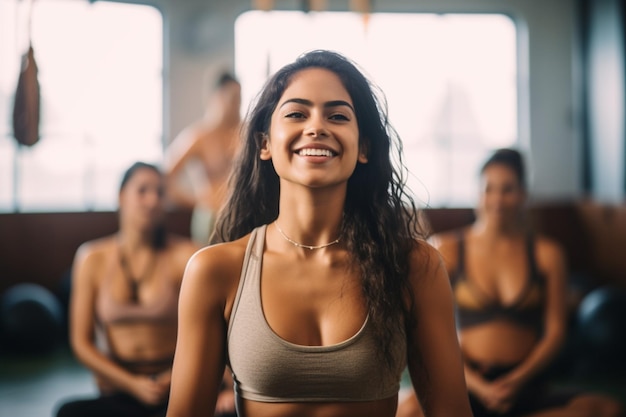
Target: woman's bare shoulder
x: 96, y: 248
x: 219, y: 264
x: 446, y: 239
x: 426, y: 259
x: 91, y: 259
x: 428, y: 275
x: 223, y: 253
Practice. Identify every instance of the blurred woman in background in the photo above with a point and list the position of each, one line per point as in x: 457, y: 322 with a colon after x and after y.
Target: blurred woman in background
x: 510, y: 289
x: 123, y: 305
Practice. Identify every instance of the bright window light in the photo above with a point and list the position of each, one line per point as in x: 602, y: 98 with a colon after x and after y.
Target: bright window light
x: 450, y: 81
x: 100, y: 74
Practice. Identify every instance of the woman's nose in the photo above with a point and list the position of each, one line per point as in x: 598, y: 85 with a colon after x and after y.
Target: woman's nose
x: 316, y: 128
x: 153, y: 198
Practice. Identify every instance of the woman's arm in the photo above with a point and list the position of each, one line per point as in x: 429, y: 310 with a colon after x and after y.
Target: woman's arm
x: 82, y: 306
x: 434, y: 361
x: 185, y: 147
x: 199, y: 360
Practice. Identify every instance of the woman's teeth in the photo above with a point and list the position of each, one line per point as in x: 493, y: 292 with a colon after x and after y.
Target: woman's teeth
x: 315, y: 152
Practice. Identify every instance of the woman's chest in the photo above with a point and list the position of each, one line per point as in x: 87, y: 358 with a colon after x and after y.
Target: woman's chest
x: 312, y: 304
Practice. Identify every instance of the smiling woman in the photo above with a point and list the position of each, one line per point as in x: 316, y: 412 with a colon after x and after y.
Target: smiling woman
x: 321, y: 289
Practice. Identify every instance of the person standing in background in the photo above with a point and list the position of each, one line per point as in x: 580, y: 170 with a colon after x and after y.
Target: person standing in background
x: 213, y: 141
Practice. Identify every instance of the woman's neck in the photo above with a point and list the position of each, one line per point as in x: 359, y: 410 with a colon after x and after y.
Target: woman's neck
x: 498, y: 231
x: 134, y: 240
x: 312, y: 217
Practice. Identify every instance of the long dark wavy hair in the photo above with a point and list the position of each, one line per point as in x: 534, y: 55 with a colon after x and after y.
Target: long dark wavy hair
x: 380, y: 222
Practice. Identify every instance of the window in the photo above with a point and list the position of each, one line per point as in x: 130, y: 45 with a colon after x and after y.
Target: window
x: 450, y: 81
x: 100, y: 74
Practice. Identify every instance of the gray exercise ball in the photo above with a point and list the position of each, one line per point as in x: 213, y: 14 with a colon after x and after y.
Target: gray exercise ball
x: 31, y: 319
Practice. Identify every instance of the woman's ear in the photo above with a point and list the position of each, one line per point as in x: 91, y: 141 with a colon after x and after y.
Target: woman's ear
x: 363, y: 151
x: 266, y: 153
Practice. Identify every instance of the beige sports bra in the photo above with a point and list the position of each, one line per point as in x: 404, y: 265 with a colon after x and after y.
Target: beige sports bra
x: 267, y: 368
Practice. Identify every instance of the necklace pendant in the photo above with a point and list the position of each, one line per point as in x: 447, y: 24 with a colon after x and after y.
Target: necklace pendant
x: 132, y: 282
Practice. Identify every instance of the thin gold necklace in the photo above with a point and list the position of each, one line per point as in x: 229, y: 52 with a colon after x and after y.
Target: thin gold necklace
x: 300, y: 245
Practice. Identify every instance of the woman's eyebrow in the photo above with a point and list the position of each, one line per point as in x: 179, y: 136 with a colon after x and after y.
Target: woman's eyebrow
x: 333, y: 103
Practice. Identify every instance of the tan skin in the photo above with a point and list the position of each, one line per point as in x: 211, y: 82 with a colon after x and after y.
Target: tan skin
x: 496, y: 265
x: 140, y: 207
x: 309, y: 297
x: 213, y: 141
x: 410, y: 407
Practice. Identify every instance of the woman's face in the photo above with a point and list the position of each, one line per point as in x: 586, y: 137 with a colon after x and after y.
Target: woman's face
x: 142, y: 198
x: 313, y: 137
x: 501, y: 195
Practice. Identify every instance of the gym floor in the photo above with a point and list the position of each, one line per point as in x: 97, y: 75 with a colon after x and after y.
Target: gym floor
x: 33, y: 386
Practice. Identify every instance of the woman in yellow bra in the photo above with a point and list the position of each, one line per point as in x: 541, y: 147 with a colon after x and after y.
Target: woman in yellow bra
x: 510, y: 291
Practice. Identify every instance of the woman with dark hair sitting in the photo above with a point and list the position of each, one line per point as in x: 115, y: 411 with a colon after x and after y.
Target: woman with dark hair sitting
x: 509, y: 285
x: 124, y: 302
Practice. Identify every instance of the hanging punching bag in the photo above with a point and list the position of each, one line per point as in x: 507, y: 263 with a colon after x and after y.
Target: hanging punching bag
x: 27, y: 99
x: 27, y: 102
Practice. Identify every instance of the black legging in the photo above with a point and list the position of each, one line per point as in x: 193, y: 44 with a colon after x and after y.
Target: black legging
x: 114, y: 405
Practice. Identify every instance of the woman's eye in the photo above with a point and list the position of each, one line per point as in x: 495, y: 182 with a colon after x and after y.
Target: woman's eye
x: 339, y: 117
x: 294, y: 115
x: 509, y: 189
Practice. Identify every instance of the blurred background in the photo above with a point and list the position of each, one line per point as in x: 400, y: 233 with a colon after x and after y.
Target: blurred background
x: 119, y: 80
